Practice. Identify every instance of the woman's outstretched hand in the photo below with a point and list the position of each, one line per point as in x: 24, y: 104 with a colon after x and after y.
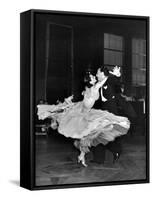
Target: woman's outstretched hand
x: 44, y: 111
x: 69, y: 99
x: 48, y: 111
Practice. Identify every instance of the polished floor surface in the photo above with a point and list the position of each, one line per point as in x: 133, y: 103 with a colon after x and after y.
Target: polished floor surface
x: 56, y: 162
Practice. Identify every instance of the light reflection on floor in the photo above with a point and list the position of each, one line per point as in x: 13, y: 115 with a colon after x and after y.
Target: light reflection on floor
x: 56, y: 162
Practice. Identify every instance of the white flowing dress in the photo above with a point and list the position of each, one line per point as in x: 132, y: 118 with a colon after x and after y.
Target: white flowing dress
x: 88, y: 126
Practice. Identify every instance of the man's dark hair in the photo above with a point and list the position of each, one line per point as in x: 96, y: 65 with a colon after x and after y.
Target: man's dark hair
x: 105, y: 70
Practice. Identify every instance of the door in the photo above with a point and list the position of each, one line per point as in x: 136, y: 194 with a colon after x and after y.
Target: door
x: 59, y: 66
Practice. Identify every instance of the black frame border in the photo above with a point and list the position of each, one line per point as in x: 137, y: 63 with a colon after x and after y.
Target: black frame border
x: 27, y: 91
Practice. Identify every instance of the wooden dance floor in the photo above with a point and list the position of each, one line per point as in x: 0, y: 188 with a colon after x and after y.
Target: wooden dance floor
x: 56, y: 162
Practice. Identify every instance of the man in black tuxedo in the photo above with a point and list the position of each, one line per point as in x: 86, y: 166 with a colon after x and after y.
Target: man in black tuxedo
x: 124, y: 106
x: 109, y: 99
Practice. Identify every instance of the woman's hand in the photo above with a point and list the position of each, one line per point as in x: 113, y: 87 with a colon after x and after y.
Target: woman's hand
x: 69, y: 99
x: 101, y: 83
x: 43, y: 115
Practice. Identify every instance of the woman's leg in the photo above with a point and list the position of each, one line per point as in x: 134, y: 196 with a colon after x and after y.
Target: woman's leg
x: 81, y: 158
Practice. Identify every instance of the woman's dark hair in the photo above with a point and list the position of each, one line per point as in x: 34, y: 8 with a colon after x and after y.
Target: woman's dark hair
x: 87, y: 79
x: 105, y: 70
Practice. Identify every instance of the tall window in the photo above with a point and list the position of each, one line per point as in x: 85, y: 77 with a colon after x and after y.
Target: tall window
x: 113, y: 50
x: 138, y: 62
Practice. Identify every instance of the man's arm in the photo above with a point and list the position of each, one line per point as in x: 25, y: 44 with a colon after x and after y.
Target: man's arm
x: 115, y: 83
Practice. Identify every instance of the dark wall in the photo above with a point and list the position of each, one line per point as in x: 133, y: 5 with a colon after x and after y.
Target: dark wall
x: 87, y: 44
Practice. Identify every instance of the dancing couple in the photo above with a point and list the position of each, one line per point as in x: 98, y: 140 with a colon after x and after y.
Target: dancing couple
x: 94, y: 121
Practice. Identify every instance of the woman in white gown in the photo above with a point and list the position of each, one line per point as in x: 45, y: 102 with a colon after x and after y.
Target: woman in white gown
x: 88, y: 126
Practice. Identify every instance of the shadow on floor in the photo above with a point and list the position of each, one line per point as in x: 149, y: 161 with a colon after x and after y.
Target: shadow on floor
x: 15, y: 182
x: 56, y: 163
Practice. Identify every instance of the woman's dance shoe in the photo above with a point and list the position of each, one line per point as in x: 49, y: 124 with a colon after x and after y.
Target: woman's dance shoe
x: 80, y: 159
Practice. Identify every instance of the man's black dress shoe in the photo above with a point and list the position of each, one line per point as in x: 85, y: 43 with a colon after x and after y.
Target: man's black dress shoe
x: 116, y: 157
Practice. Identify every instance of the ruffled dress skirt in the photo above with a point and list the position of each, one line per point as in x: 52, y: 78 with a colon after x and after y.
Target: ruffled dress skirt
x: 91, y: 127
